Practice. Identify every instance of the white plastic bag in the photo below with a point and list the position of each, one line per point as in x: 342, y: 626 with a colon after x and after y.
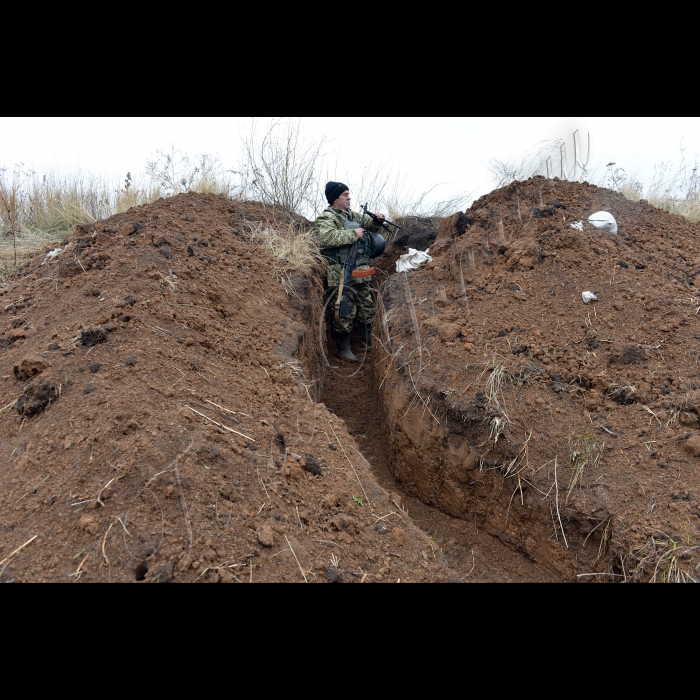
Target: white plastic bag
x: 53, y: 254
x: 588, y: 297
x: 605, y: 221
x: 412, y: 261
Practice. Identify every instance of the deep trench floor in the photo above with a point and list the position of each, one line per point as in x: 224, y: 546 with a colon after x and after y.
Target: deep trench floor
x: 473, y: 556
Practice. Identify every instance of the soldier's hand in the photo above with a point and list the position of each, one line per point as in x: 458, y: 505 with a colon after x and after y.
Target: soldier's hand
x: 360, y: 233
x: 380, y: 217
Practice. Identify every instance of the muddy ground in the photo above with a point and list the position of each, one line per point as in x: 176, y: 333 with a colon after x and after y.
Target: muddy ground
x: 157, y: 420
x: 166, y: 415
x: 569, y: 432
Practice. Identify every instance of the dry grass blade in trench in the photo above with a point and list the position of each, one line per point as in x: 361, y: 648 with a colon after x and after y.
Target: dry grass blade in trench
x: 297, y: 248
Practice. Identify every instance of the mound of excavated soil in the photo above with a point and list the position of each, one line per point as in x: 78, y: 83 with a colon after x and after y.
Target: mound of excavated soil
x: 569, y: 431
x: 157, y: 422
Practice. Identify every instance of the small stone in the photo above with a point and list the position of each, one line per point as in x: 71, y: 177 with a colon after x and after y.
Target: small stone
x: 381, y: 529
x: 95, y: 368
x: 90, y: 390
x: 130, y: 362
x: 129, y: 230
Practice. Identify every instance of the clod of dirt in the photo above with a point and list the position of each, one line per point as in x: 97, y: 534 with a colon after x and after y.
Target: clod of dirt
x: 281, y: 442
x: 165, y: 574
x: 266, y: 536
x: 624, y: 396
x: 131, y: 229
x: 93, y: 337
x: 312, y: 466
x: 693, y: 446
x: 37, y: 399
x: 333, y: 576
x: 30, y: 367
x: 631, y: 354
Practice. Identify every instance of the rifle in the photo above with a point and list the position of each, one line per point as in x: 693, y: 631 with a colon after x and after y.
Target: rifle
x: 342, y: 307
x: 383, y: 222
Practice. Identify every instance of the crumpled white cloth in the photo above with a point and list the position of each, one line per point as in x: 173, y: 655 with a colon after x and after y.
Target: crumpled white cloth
x: 53, y: 254
x: 588, y: 297
x: 604, y: 220
x: 412, y: 261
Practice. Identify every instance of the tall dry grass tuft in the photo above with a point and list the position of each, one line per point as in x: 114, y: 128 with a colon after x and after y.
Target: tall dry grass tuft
x: 292, y: 244
x: 673, y: 188
x: 36, y: 211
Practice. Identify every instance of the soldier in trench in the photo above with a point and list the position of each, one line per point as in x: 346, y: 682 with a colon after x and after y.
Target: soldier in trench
x: 339, y: 228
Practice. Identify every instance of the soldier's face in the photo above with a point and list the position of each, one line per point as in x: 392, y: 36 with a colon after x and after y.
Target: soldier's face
x: 344, y: 201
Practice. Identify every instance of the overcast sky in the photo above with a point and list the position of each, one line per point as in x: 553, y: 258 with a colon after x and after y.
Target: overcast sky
x: 427, y: 150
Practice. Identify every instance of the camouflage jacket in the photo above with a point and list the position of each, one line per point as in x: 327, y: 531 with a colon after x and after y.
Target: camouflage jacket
x: 331, y: 233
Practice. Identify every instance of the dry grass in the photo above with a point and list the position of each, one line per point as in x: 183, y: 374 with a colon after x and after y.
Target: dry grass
x: 296, y: 250
x: 673, y: 188
x: 36, y: 211
x: 670, y: 560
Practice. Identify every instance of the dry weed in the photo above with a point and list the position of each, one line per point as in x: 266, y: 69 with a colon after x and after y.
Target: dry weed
x: 296, y: 249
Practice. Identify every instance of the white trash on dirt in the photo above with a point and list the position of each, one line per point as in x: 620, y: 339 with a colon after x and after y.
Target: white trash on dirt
x: 53, y: 254
x: 412, y: 261
x: 588, y: 297
x: 605, y: 221
x: 578, y: 226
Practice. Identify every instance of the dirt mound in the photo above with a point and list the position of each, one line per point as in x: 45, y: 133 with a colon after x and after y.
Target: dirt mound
x: 569, y: 431
x: 157, y: 421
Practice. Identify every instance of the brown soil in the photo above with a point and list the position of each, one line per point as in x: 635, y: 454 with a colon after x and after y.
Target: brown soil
x: 162, y: 410
x: 112, y: 356
x: 586, y: 457
x: 472, y: 554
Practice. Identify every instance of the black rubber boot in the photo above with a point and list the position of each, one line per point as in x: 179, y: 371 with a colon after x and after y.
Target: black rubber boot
x: 367, y: 335
x: 344, y: 351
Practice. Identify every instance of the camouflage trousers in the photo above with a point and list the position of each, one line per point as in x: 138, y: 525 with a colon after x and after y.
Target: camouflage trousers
x: 363, y: 306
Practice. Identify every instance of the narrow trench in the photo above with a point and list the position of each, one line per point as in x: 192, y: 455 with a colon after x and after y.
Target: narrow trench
x: 472, y: 555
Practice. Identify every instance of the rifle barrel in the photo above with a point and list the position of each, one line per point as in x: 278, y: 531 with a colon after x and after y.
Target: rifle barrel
x: 388, y: 223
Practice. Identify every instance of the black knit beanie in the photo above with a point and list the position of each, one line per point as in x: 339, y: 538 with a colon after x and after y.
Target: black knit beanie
x: 334, y: 190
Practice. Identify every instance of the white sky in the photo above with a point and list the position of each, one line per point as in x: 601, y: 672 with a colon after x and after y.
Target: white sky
x: 427, y: 150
